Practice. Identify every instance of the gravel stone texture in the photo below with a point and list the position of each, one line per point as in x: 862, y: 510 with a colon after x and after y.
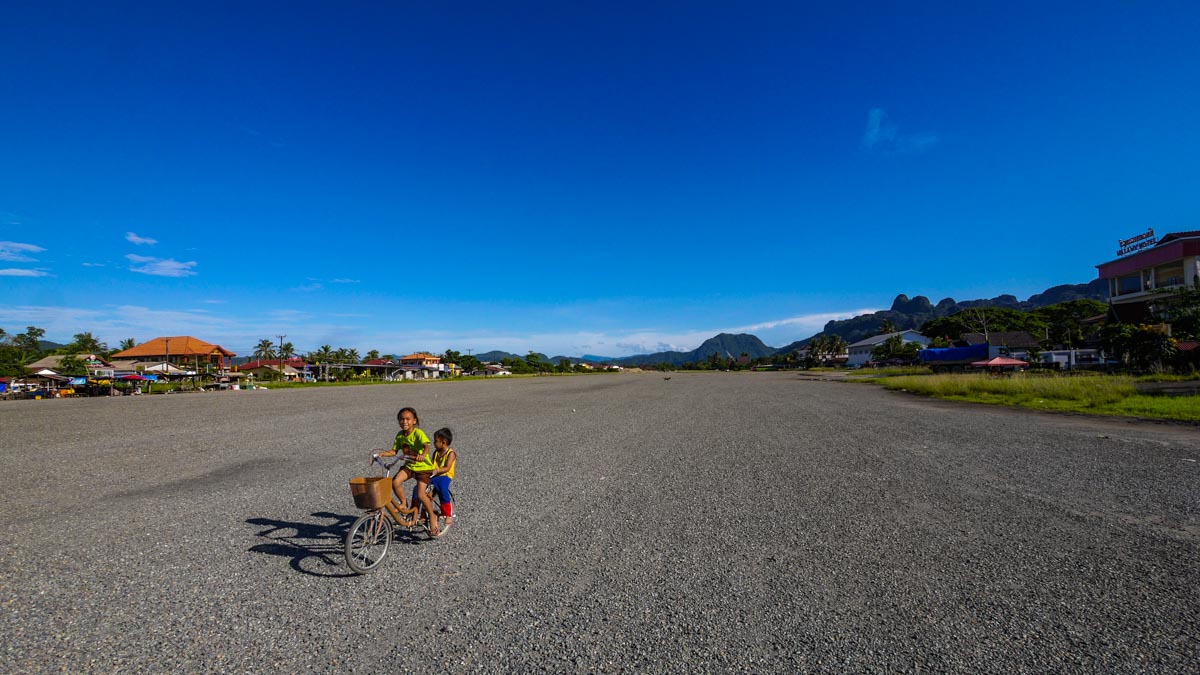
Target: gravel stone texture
x: 712, y: 522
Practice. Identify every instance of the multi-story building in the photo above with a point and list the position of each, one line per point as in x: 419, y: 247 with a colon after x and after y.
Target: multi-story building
x: 1147, y: 267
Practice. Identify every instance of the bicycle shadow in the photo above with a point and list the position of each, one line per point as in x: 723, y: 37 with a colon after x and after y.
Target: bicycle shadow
x: 308, y: 544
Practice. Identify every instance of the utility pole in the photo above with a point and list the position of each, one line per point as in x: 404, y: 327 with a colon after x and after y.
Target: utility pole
x: 281, y: 377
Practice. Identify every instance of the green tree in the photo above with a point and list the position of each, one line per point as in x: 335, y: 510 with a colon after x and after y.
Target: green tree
x: 1139, y: 348
x: 373, y: 354
x: 818, y: 350
x: 836, y: 345
x: 714, y: 361
x: 895, y: 347
x: 84, y: 343
x: 516, y: 365
x: 1064, y: 323
x: 352, y: 356
x: 886, y: 326
x: 985, y: 320
x: 72, y: 365
x: 1181, y: 309
x: 264, y: 350
x: 469, y: 363
x: 30, y: 340
x: 286, y: 351
x: 534, y: 361
x: 127, y: 343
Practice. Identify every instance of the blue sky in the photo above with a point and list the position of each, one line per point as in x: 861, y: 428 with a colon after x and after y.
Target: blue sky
x: 573, y: 178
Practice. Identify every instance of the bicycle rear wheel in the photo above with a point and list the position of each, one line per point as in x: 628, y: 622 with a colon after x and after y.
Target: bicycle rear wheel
x: 368, y: 541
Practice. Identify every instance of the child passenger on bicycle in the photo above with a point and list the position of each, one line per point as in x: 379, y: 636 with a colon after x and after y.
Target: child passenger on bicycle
x: 413, y: 445
x: 444, y: 458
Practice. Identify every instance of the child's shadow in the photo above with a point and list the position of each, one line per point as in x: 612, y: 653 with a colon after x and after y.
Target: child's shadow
x: 315, y: 548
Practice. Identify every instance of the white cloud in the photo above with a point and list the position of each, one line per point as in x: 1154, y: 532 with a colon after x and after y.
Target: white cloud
x: 160, y: 267
x: 309, y: 288
x: 775, y: 332
x: 884, y: 135
x: 133, y: 238
x: 13, y: 272
x: 812, y: 323
x: 13, y: 251
x: 91, y: 264
x: 879, y: 129
x: 345, y: 281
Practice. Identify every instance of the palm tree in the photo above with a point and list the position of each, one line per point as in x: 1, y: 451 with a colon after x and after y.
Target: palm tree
x: 352, y: 356
x: 264, y: 350
x: 86, y: 342
x: 127, y: 343
x: 817, y: 347
x: 373, y: 354
x: 836, y: 345
x: 324, y: 354
x: 286, y: 351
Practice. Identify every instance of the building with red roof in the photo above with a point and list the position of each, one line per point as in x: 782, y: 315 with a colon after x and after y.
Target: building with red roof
x: 179, y: 349
x: 1147, y: 267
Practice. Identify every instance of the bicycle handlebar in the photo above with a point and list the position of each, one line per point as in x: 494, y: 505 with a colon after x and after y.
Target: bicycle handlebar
x: 387, y: 468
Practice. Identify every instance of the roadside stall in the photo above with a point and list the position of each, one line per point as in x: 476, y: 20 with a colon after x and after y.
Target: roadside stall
x: 46, y: 384
x: 1001, y: 365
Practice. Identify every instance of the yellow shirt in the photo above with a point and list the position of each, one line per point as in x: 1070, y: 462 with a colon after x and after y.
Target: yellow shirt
x: 439, y: 460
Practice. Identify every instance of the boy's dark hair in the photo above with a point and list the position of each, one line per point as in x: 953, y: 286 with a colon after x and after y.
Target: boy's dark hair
x: 409, y: 410
x: 444, y: 434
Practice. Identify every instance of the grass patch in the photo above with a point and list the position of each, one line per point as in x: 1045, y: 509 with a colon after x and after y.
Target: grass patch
x: 1168, y: 377
x: 1096, y: 395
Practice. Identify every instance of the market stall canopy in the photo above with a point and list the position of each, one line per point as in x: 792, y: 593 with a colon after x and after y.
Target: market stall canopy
x: 49, y: 375
x: 134, y: 378
x: 1000, y: 361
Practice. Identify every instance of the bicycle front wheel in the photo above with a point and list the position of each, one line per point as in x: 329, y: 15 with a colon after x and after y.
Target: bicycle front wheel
x: 368, y: 541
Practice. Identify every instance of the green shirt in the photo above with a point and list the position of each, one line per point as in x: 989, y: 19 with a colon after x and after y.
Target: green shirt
x: 413, y: 445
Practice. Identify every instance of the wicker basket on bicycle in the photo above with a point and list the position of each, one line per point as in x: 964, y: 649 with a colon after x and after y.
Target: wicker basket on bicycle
x: 371, y: 492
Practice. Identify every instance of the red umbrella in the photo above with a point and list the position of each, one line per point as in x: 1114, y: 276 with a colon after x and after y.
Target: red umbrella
x: 1000, y: 361
x: 134, y: 378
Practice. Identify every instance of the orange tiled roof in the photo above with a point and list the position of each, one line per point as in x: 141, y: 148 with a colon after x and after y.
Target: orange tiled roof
x: 179, y: 345
x: 418, y: 355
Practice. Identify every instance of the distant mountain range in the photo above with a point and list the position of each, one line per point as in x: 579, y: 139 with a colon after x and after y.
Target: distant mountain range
x: 904, y: 314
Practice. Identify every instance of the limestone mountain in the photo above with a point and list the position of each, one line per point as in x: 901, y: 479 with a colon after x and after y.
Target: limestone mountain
x: 907, y: 313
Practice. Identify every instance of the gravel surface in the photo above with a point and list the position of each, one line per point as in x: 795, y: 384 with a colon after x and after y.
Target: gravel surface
x: 711, y: 522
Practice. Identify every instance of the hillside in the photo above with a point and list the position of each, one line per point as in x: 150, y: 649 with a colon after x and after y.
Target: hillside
x: 724, y: 345
x: 496, y: 356
x: 904, y: 313
x: 908, y: 313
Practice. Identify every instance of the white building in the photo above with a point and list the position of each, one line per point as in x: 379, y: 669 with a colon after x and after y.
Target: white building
x: 860, y: 352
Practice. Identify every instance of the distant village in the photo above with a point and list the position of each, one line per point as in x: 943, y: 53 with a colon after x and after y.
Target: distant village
x: 1151, y: 323
x: 186, y: 363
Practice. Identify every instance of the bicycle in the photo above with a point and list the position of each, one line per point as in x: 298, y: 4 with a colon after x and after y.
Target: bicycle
x: 370, y: 537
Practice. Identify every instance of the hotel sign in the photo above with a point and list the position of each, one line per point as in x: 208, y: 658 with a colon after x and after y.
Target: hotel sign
x: 1137, y: 243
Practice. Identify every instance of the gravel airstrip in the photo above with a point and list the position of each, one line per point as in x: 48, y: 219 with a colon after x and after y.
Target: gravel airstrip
x: 708, y: 522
